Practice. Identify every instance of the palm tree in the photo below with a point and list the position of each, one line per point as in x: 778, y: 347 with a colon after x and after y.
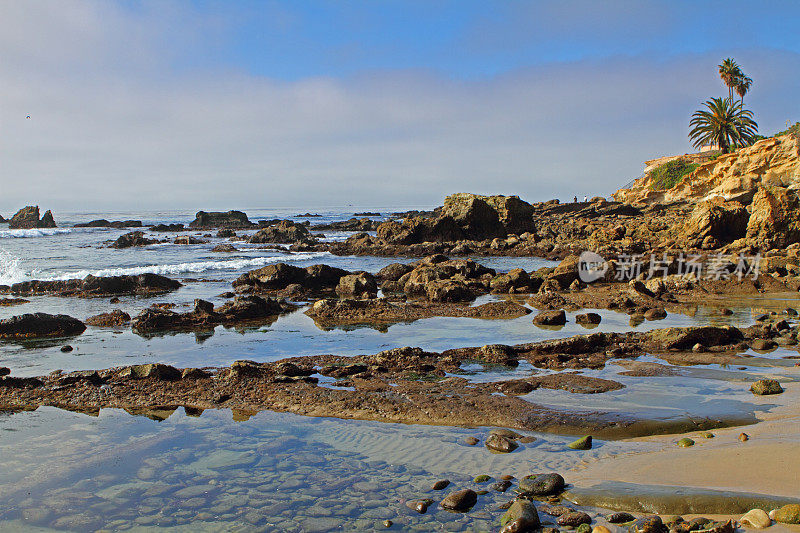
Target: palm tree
x: 725, y: 124
x: 729, y: 71
x: 743, y: 84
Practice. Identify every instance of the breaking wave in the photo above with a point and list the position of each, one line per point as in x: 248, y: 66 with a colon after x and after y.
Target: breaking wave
x: 30, y: 233
x: 190, y: 267
x: 10, y: 271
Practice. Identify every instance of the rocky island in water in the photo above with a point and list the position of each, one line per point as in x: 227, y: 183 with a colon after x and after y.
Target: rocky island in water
x: 489, y: 365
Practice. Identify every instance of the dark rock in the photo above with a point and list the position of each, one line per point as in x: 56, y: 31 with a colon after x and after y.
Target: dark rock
x: 224, y: 248
x: 360, y: 285
x: 162, y: 228
x: 4, y: 371
x: 460, y: 500
x: 66, y: 348
x: 441, y: 484
x: 134, y: 238
x: 648, y: 524
x: 501, y: 444
x: 471, y: 441
x: 542, y: 484
x: 551, y: 318
x: 285, y: 232
x: 226, y: 233
x: 157, y: 371
x: 103, y: 223
x: 394, y: 271
x: 588, y: 318
x: 113, y: 319
x: 91, y: 286
x: 763, y: 344
x: 40, y: 325
x: 620, y: 517
x: 655, y: 313
x: 216, y: 219
x: 521, y: 517
x: 28, y: 218
x: 574, y: 519
x: 502, y: 485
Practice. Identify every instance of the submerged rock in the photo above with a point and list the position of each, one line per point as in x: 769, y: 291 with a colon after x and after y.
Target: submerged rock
x: 501, y: 444
x: 574, y: 519
x: 551, y: 318
x: 542, y: 484
x: 583, y: 443
x: 460, y: 500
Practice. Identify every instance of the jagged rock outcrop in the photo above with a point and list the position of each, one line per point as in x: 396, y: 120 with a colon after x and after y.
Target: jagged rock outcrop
x: 103, y: 223
x: 28, y: 218
x: 281, y: 276
x: 134, y: 238
x: 774, y: 219
x: 715, y: 222
x: 284, y: 232
x: 216, y: 219
x: 463, y: 216
x: 773, y: 162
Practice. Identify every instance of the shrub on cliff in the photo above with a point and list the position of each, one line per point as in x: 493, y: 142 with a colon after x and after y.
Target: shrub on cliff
x: 670, y: 174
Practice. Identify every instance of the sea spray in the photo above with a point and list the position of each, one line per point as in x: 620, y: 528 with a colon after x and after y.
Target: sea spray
x: 10, y: 271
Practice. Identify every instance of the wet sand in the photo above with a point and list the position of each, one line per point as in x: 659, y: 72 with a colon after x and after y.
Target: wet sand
x: 767, y: 463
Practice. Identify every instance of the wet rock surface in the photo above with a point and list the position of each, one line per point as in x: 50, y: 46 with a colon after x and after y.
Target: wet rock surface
x: 28, y: 218
x: 92, y: 286
x: 34, y: 325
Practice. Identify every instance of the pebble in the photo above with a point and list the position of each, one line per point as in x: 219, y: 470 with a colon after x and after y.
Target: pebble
x: 66, y: 348
x: 744, y: 437
x: 685, y: 442
x: 620, y: 518
x: 441, y: 484
x: 500, y: 444
x: 471, y: 441
x: 756, y: 518
x: 388, y: 523
x: 483, y: 478
x: 574, y: 519
x: 460, y: 500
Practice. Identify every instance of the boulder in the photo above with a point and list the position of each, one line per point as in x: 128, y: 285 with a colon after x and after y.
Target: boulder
x: 542, y: 484
x: 788, y: 514
x: 40, y: 325
x: 765, y: 387
x: 484, y: 217
x: 103, y: 223
x: 360, y: 285
x: 134, y: 238
x: 157, y: 371
x: 216, y: 219
x: 501, y: 444
x: 28, y: 218
x: 284, y: 232
x: 756, y: 518
x: 551, y: 318
x: 115, y: 318
x: 95, y: 286
x: 774, y: 218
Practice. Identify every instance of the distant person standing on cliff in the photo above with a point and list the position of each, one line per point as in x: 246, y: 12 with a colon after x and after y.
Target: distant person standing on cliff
x: 575, y: 201
x: 585, y: 199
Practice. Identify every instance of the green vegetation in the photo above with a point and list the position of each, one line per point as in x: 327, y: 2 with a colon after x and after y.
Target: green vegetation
x: 670, y: 174
x: 723, y: 123
x: 795, y: 130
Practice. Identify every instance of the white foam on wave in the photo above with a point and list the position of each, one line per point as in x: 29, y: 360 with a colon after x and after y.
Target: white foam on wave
x: 32, y: 233
x: 10, y: 271
x: 190, y: 267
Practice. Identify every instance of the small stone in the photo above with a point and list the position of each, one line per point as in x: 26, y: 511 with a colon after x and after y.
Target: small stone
x: 501, y: 486
x: 756, y: 518
x: 441, y: 484
x: 788, y: 514
x: 557, y: 510
x: 685, y: 442
x: 766, y: 386
x: 460, y: 500
x: 620, y: 518
x: 655, y: 313
x: 725, y: 311
x: 507, y: 477
x: 526, y: 440
x: 471, y: 441
x: 707, y: 435
x: 388, y: 523
x: 698, y: 348
x: 648, y: 524
x: 483, y: 478
x: 420, y: 506
x: 588, y: 319
x: 744, y: 437
x: 583, y: 443
x: 574, y: 519
x: 66, y: 348
x: 584, y: 528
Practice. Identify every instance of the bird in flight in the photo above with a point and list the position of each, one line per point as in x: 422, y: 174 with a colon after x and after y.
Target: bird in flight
x: 28, y: 116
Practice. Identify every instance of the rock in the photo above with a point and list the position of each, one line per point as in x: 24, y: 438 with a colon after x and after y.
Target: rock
x: 420, y: 506
x: 167, y: 227
x: 103, y: 223
x: 744, y: 437
x: 388, y: 523
x: 774, y: 221
x: 226, y: 233
x: 134, y: 238
x: 648, y: 524
x: 685, y: 338
x: 448, y: 291
x: 788, y: 514
x: 620, y: 518
x: 685, y: 442
x: 33, y: 325
x: 4, y: 371
x: 516, y: 280
x: 394, y: 271
x: 284, y: 232
x: 583, y: 528
x: 764, y: 387
x: 637, y: 287
x: 156, y: 371
x: 67, y: 348
x: 483, y: 478
x: 360, y: 285
x: 460, y: 500
x: 551, y: 318
x: 502, y: 485
x: 724, y: 221
x: 500, y: 444
x: 585, y: 319
x: 583, y: 443
x: 763, y: 344
x: 28, y: 218
x: 215, y: 219
x: 113, y: 319
x: 655, y: 313
x: 600, y: 529
x: 91, y: 286
x: 279, y: 276
x: 471, y: 441
x: 542, y: 484
x: 482, y: 217
x: 520, y: 517
x: 224, y: 248
x: 574, y: 519
x: 756, y: 518
x: 441, y: 484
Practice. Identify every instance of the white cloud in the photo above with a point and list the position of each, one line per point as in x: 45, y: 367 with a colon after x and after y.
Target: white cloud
x: 115, y: 126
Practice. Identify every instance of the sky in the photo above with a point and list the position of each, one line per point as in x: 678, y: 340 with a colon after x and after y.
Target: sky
x: 215, y: 105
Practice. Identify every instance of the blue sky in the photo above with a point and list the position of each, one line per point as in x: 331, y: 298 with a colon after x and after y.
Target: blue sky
x: 258, y: 104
